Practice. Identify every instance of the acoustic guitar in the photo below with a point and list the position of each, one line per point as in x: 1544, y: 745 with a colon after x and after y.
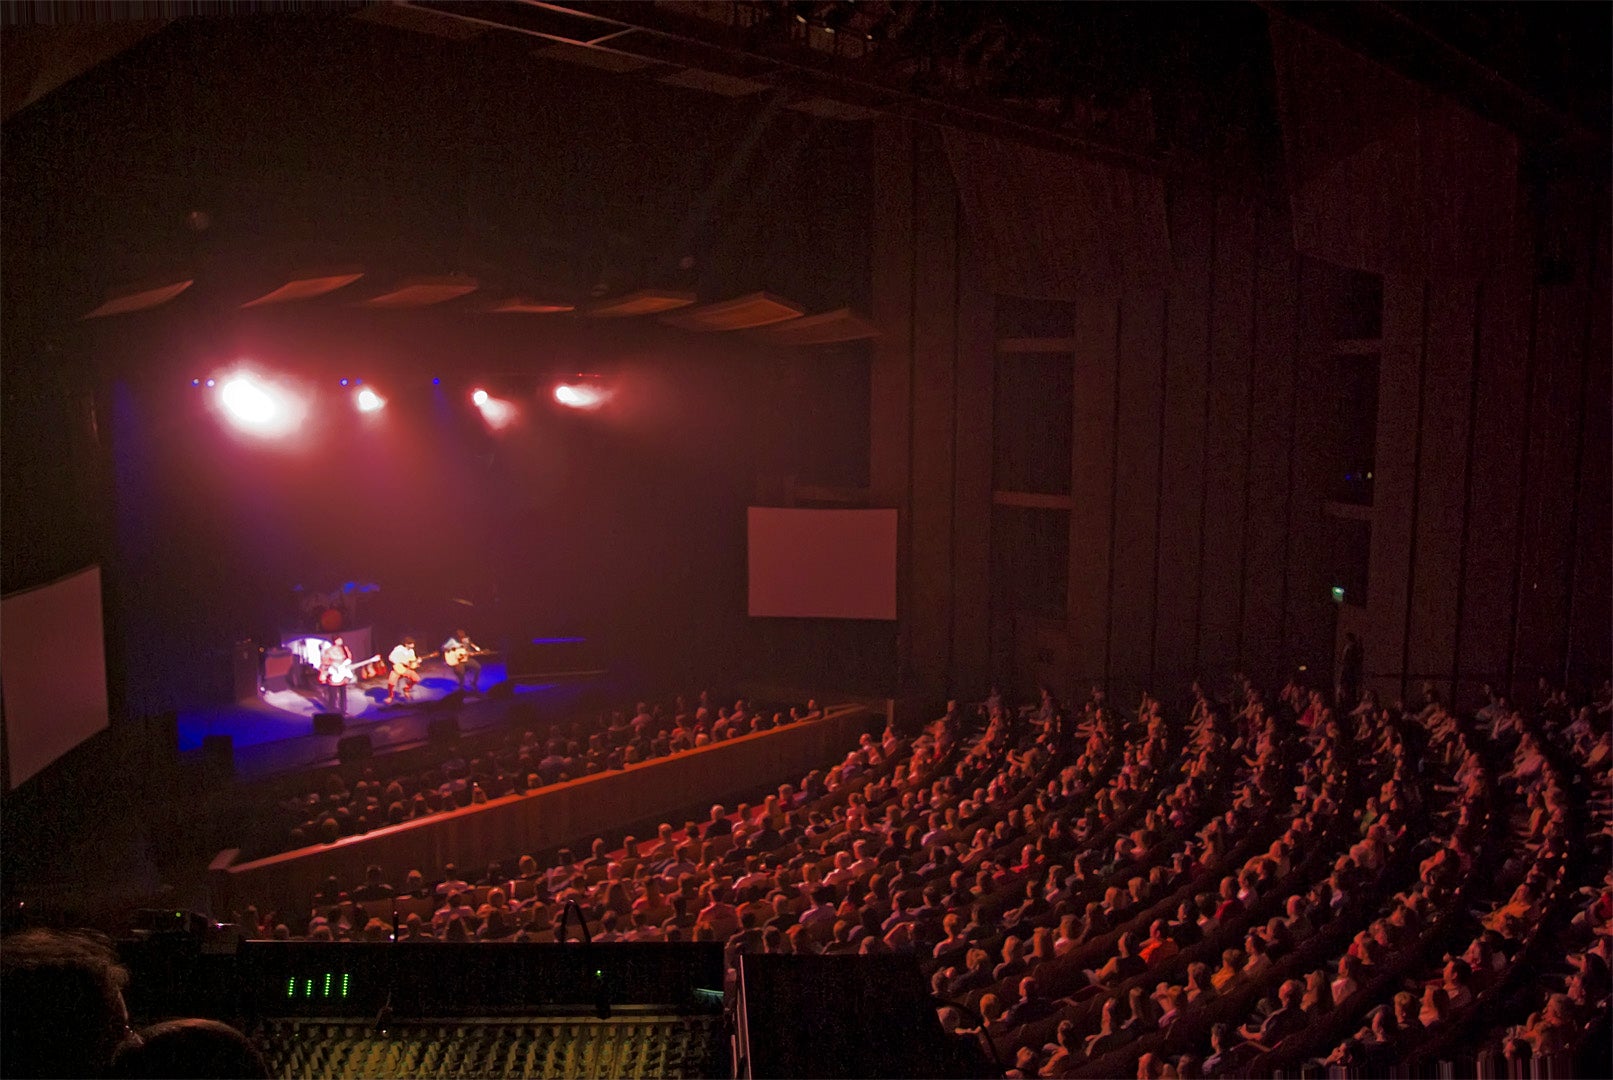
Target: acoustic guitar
x: 460, y: 653
x: 414, y: 668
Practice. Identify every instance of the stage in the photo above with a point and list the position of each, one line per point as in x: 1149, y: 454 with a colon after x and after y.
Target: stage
x: 273, y: 733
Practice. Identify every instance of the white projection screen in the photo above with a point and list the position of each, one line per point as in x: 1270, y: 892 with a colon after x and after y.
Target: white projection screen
x: 822, y: 564
x: 53, y: 663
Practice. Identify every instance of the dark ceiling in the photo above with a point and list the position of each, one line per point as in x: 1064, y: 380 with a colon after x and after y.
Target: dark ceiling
x: 1178, y: 86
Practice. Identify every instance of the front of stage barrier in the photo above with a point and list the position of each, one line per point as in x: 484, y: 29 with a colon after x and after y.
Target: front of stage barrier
x: 551, y: 816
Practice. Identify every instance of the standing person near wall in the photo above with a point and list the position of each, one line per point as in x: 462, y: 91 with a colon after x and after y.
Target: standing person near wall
x: 1350, y: 666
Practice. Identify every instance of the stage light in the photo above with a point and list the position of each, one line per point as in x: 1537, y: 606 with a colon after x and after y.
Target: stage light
x: 436, y: 382
x: 581, y: 392
x: 249, y: 402
x: 259, y: 407
x: 498, y: 413
x: 576, y: 397
x: 344, y: 382
x: 196, y: 382
x: 368, y: 401
x: 212, y: 382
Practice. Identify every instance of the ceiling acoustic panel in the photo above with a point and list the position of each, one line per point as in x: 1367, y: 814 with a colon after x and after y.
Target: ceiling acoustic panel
x: 536, y: 19
x: 741, y: 313
x: 526, y: 305
x: 643, y: 302
x: 827, y: 328
x: 714, y: 82
x: 305, y: 289
x: 423, y: 292
x: 421, y: 21
x: 139, y: 298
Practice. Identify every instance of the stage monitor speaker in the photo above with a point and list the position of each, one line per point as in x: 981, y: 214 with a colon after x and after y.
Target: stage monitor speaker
x: 277, y: 669
x: 351, y: 748
x: 443, y: 729
x: 449, y: 703
x: 245, y: 663
x: 328, y: 723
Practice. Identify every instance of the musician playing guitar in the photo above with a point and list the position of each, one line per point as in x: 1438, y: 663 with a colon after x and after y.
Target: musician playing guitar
x: 459, y: 653
x: 337, y: 671
x: 336, y: 674
x: 405, y: 671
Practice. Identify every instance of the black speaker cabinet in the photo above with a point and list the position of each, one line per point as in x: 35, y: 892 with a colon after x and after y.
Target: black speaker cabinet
x: 244, y: 661
x: 351, y: 748
x: 327, y: 723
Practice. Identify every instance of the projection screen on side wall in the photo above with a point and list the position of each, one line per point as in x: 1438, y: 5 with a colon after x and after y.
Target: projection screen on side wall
x: 53, y: 667
x: 822, y: 564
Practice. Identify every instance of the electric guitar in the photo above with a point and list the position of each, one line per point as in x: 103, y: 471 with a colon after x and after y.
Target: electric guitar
x: 341, y: 673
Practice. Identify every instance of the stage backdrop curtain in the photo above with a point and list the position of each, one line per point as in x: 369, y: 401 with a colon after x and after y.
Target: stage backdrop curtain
x: 1386, y: 175
x: 1057, y: 225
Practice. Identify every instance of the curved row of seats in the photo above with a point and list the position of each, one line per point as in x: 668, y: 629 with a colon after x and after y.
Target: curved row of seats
x: 1277, y: 847
x: 479, y: 769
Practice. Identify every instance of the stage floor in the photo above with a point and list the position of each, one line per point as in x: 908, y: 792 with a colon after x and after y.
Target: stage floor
x: 274, y: 732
